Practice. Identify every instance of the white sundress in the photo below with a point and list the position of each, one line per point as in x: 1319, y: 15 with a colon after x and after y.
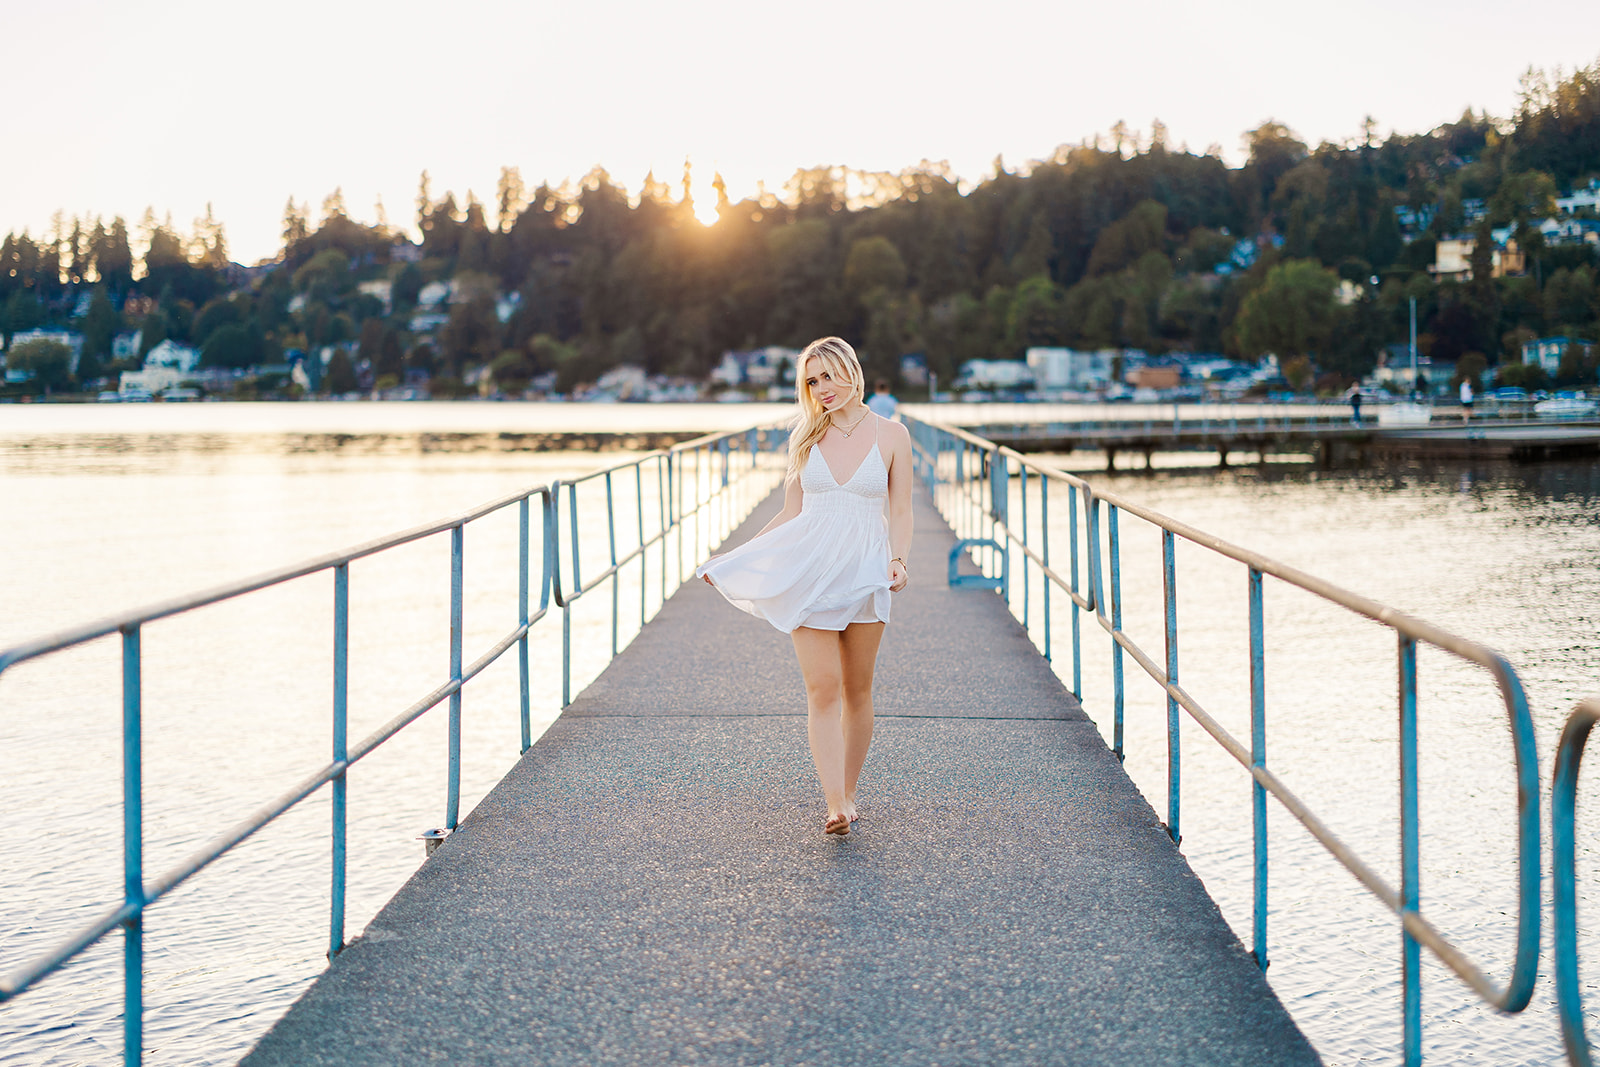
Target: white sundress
x: 825, y: 568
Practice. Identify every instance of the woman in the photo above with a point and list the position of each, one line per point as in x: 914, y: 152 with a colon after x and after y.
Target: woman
x: 823, y: 569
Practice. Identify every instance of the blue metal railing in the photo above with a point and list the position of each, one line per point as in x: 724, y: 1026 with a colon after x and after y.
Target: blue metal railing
x: 971, y: 480
x: 703, y: 487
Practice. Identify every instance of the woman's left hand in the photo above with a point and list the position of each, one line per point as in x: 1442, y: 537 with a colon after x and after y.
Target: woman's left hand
x: 897, y: 576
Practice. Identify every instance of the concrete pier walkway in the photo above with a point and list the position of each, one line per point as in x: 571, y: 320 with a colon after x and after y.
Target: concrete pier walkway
x: 651, y: 885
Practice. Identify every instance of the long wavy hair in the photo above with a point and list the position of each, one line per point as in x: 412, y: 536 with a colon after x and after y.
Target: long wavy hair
x: 840, y: 361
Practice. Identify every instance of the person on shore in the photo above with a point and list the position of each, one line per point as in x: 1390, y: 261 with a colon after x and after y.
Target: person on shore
x: 1466, y: 401
x: 823, y: 569
x: 882, y: 402
x: 1353, y: 395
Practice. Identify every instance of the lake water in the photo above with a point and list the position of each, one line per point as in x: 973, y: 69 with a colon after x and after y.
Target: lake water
x: 106, y: 507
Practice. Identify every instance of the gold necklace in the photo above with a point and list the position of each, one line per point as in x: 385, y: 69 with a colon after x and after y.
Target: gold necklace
x: 853, y: 425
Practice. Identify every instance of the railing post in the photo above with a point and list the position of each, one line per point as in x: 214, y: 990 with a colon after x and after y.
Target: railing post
x: 682, y: 459
x: 663, y: 495
x: 1258, y: 758
x: 1169, y: 588
x: 1072, y: 560
x: 566, y: 608
x: 132, y: 851
x: 727, y: 497
x: 644, y: 557
x: 1044, y: 534
x: 341, y: 750
x: 1116, y: 629
x: 452, y: 808
x: 524, y: 550
x: 1000, y: 507
x: 1563, y: 852
x: 1022, y: 473
x: 611, y: 534
x: 1411, y: 956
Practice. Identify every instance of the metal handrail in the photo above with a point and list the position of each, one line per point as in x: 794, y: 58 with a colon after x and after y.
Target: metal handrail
x: 987, y: 496
x: 1563, y: 863
x: 731, y: 493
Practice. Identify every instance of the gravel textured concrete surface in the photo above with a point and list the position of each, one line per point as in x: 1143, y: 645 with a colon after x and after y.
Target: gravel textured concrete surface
x: 650, y: 885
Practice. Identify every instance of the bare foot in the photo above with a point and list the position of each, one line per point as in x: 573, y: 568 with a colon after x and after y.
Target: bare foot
x: 838, y: 823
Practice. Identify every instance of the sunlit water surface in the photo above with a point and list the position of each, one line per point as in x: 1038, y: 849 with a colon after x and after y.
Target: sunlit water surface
x: 103, y: 515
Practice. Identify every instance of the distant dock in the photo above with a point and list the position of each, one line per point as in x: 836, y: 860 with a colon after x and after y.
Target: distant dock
x: 1333, y: 442
x: 1520, y: 444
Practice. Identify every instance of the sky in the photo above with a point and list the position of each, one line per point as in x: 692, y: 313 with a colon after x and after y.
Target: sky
x: 174, y: 104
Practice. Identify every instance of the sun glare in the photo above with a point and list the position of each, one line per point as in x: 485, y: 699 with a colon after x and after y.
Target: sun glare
x: 705, y: 197
x: 705, y: 207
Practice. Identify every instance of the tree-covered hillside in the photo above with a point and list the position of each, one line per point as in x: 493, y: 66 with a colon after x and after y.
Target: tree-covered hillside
x: 1128, y: 242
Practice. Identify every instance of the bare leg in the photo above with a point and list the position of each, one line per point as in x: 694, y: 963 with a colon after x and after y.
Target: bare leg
x: 821, y: 665
x: 859, y: 655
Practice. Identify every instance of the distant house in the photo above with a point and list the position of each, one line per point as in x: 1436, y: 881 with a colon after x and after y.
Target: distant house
x: 152, y: 380
x: 437, y: 294
x: 769, y: 366
x: 1414, y: 220
x: 625, y: 381
x: 1570, y: 231
x: 1241, y: 258
x: 1581, y: 199
x: 1548, y: 352
x: 170, y: 353
x: 1165, y: 377
x: 1394, y: 371
x: 71, y: 339
x: 994, y: 374
x: 423, y: 322
x: 405, y: 252
x: 126, y: 345
x: 1068, y: 368
x: 383, y: 289
x: 1452, y: 259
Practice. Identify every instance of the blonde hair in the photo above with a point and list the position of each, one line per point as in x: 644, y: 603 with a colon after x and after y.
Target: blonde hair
x: 812, y: 421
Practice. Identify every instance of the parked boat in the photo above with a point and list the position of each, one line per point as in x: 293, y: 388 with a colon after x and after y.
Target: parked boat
x: 1405, y: 413
x: 1567, y: 407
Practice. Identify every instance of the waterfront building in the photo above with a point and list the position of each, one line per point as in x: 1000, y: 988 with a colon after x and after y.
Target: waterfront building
x: 1069, y: 368
x: 994, y: 374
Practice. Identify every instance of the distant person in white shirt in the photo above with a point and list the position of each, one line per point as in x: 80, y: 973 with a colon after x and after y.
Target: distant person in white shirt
x: 1466, y: 400
x: 882, y: 402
